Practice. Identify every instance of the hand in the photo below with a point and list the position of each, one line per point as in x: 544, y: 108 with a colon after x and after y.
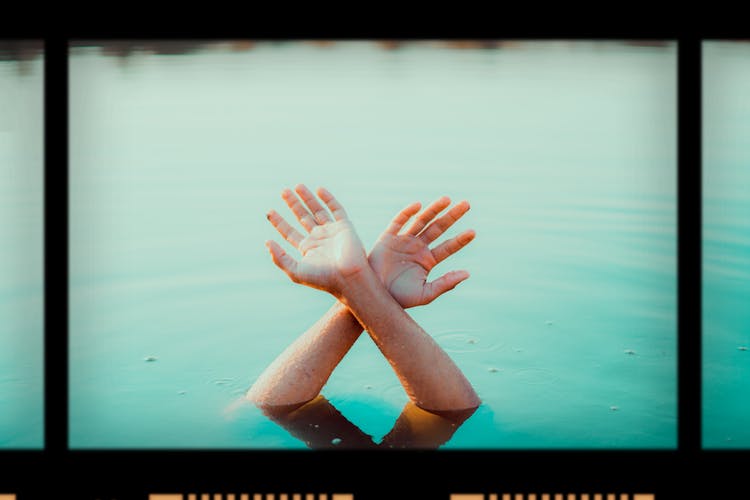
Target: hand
x: 403, y: 261
x: 331, y: 251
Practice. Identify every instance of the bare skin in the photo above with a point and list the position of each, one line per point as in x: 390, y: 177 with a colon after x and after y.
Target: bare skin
x: 320, y: 425
x: 371, y: 291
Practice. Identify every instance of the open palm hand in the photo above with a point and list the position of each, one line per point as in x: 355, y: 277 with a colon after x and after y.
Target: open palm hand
x: 403, y: 261
x: 330, y: 251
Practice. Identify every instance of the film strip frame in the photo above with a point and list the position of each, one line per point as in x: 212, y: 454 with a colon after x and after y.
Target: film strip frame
x: 250, y: 496
x: 552, y: 496
x: 689, y: 377
x: 350, y: 496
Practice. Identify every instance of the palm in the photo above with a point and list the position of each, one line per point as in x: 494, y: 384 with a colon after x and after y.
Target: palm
x: 330, y: 251
x: 404, y: 261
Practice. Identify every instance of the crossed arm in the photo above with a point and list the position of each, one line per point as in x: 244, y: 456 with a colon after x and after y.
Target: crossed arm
x: 320, y: 425
x: 371, y: 292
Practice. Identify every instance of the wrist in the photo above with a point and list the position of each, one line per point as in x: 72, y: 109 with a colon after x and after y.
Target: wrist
x: 358, y: 284
x: 376, y: 267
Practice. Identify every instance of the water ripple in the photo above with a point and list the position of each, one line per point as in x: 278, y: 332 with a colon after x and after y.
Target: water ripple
x: 466, y: 341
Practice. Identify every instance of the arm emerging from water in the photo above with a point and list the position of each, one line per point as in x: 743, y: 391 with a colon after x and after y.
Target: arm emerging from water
x: 371, y: 291
x: 320, y: 425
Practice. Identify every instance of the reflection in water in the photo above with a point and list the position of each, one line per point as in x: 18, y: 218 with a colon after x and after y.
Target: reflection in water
x: 565, y: 150
x: 18, y: 50
x: 22, y: 52
x: 127, y: 48
x: 320, y: 425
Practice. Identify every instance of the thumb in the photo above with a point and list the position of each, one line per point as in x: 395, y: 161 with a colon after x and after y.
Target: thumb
x: 446, y: 282
x: 283, y: 260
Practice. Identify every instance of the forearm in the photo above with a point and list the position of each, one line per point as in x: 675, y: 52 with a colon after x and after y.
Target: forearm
x: 418, y: 428
x: 301, y: 371
x: 431, y: 379
x: 320, y: 425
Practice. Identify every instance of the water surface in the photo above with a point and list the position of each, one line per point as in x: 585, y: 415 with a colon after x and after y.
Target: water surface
x: 21, y: 245
x: 566, y: 152
x: 726, y: 245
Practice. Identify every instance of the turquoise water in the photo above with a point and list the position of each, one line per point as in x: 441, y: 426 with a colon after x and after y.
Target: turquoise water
x: 566, y: 152
x: 726, y: 245
x: 21, y: 253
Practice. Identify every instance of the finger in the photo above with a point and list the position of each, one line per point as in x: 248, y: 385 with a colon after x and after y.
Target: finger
x: 303, y: 215
x: 442, y: 224
x: 283, y: 260
x: 453, y: 245
x: 336, y: 209
x: 402, y: 218
x: 284, y: 228
x: 428, y: 214
x: 319, y: 213
x: 446, y: 282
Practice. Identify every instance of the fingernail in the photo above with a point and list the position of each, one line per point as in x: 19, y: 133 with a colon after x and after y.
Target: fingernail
x: 467, y: 236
